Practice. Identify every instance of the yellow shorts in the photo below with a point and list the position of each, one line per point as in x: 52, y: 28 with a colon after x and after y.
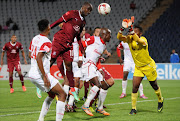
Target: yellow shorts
x: 149, y: 71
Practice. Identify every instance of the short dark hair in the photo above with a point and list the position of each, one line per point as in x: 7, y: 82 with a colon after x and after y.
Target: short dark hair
x: 140, y: 28
x: 43, y: 24
x: 97, y: 28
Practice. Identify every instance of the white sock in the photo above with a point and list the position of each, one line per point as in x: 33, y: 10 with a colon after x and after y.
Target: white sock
x: 76, y: 90
x: 60, y: 108
x: 71, y: 100
x: 102, y: 97
x: 124, y: 85
x: 66, y: 90
x: 141, y: 89
x: 45, y: 107
x: 91, y: 95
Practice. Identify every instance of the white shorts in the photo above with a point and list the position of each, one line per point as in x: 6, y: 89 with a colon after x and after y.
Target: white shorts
x: 76, y: 70
x: 89, y: 71
x: 129, y: 66
x: 40, y: 83
x: 100, y: 76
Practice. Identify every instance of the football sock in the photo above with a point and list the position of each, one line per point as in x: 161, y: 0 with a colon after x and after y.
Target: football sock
x: 70, y: 77
x: 11, y: 82
x: 45, y: 107
x: 22, y: 79
x: 91, y: 95
x: 102, y: 97
x: 141, y: 89
x: 134, y: 100
x: 60, y: 108
x: 92, y: 101
x: 66, y: 89
x: 124, y: 85
x: 71, y: 100
x: 86, y: 88
x: 159, y: 95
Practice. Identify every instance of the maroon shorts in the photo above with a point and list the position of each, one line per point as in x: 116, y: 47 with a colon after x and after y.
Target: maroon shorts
x: 60, y: 48
x: 13, y: 64
x: 107, y: 75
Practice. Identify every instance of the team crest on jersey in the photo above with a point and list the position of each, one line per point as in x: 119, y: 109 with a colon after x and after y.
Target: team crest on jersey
x: 13, y: 51
x: 76, y: 28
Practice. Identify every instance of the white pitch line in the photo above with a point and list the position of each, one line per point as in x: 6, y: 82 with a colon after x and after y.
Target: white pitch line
x: 106, y: 104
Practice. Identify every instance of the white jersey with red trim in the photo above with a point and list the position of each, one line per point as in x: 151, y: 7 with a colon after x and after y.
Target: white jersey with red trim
x: 95, y: 48
x: 38, y: 44
x: 127, y: 52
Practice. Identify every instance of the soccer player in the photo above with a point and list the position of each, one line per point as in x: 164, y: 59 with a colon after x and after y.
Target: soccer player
x: 144, y: 64
x: 128, y: 66
x: 39, y: 73
x: 74, y: 21
x: 12, y: 49
x: 94, y: 50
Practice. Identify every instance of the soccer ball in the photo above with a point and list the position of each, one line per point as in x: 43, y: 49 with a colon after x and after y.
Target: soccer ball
x: 104, y: 9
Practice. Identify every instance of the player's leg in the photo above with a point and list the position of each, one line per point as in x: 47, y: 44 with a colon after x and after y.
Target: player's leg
x: 18, y: 69
x: 141, y: 92
x: 124, y: 84
x: 86, y: 89
x: 10, y: 69
x: 60, y: 106
x: 136, y: 82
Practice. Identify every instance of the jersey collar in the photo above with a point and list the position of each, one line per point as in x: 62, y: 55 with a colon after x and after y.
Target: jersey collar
x: 42, y: 35
x: 80, y: 16
x: 102, y: 41
x: 12, y: 43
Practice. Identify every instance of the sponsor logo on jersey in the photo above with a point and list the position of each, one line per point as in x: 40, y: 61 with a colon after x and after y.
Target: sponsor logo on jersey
x: 76, y: 28
x: 13, y: 51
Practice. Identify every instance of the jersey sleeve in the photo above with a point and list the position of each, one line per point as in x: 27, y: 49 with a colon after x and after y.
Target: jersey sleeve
x: 45, y: 47
x: 30, y: 49
x: 89, y: 41
x: 119, y: 48
x: 67, y: 16
x: 145, y: 41
x: 4, y: 48
x: 21, y: 46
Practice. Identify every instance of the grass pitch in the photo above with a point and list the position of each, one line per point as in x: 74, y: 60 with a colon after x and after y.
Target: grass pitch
x: 25, y: 106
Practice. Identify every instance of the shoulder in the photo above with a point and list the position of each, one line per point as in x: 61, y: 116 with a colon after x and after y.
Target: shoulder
x: 176, y: 54
x: 18, y: 43
x: 142, y: 37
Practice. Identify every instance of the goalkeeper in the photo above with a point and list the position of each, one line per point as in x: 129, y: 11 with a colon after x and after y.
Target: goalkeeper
x: 144, y: 64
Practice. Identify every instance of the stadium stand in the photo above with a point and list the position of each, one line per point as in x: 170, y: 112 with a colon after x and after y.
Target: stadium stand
x: 163, y: 35
x: 26, y: 13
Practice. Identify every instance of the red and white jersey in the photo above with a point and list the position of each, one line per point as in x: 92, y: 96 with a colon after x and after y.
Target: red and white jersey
x: 95, y: 48
x: 40, y: 43
x: 127, y: 52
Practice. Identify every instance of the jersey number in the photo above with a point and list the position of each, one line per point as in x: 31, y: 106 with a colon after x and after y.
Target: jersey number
x: 34, y: 50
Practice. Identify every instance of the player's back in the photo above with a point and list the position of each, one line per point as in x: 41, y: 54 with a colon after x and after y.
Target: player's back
x: 140, y: 55
x: 94, y: 49
x: 38, y: 44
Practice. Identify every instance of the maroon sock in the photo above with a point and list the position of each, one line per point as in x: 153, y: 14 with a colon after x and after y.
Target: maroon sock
x: 92, y: 101
x: 22, y: 80
x: 11, y: 82
x: 70, y: 77
x: 86, y: 89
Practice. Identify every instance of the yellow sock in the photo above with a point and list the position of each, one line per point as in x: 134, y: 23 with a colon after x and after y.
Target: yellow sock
x: 158, y: 93
x: 56, y: 98
x: 134, y: 99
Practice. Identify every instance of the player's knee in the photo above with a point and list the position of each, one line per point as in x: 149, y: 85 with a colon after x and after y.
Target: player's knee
x: 110, y: 82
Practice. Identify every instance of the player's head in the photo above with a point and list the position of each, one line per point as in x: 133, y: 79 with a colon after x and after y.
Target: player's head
x: 105, y: 34
x: 173, y: 51
x: 43, y: 26
x: 138, y: 30
x: 96, y: 31
x: 86, y: 9
x: 13, y: 38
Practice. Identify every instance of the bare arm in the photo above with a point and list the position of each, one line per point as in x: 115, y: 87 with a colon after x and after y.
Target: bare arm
x: 41, y: 68
x: 23, y: 54
x: 2, y: 56
x: 29, y: 55
x: 107, y: 53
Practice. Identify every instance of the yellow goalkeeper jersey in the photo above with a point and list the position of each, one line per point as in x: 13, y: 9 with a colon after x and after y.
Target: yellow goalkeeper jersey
x: 140, y: 54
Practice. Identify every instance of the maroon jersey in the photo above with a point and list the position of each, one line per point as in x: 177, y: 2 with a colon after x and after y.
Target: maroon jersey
x: 72, y: 27
x: 12, y: 51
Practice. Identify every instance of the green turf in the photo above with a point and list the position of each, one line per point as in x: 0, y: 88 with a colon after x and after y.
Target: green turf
x: 25, y: 106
